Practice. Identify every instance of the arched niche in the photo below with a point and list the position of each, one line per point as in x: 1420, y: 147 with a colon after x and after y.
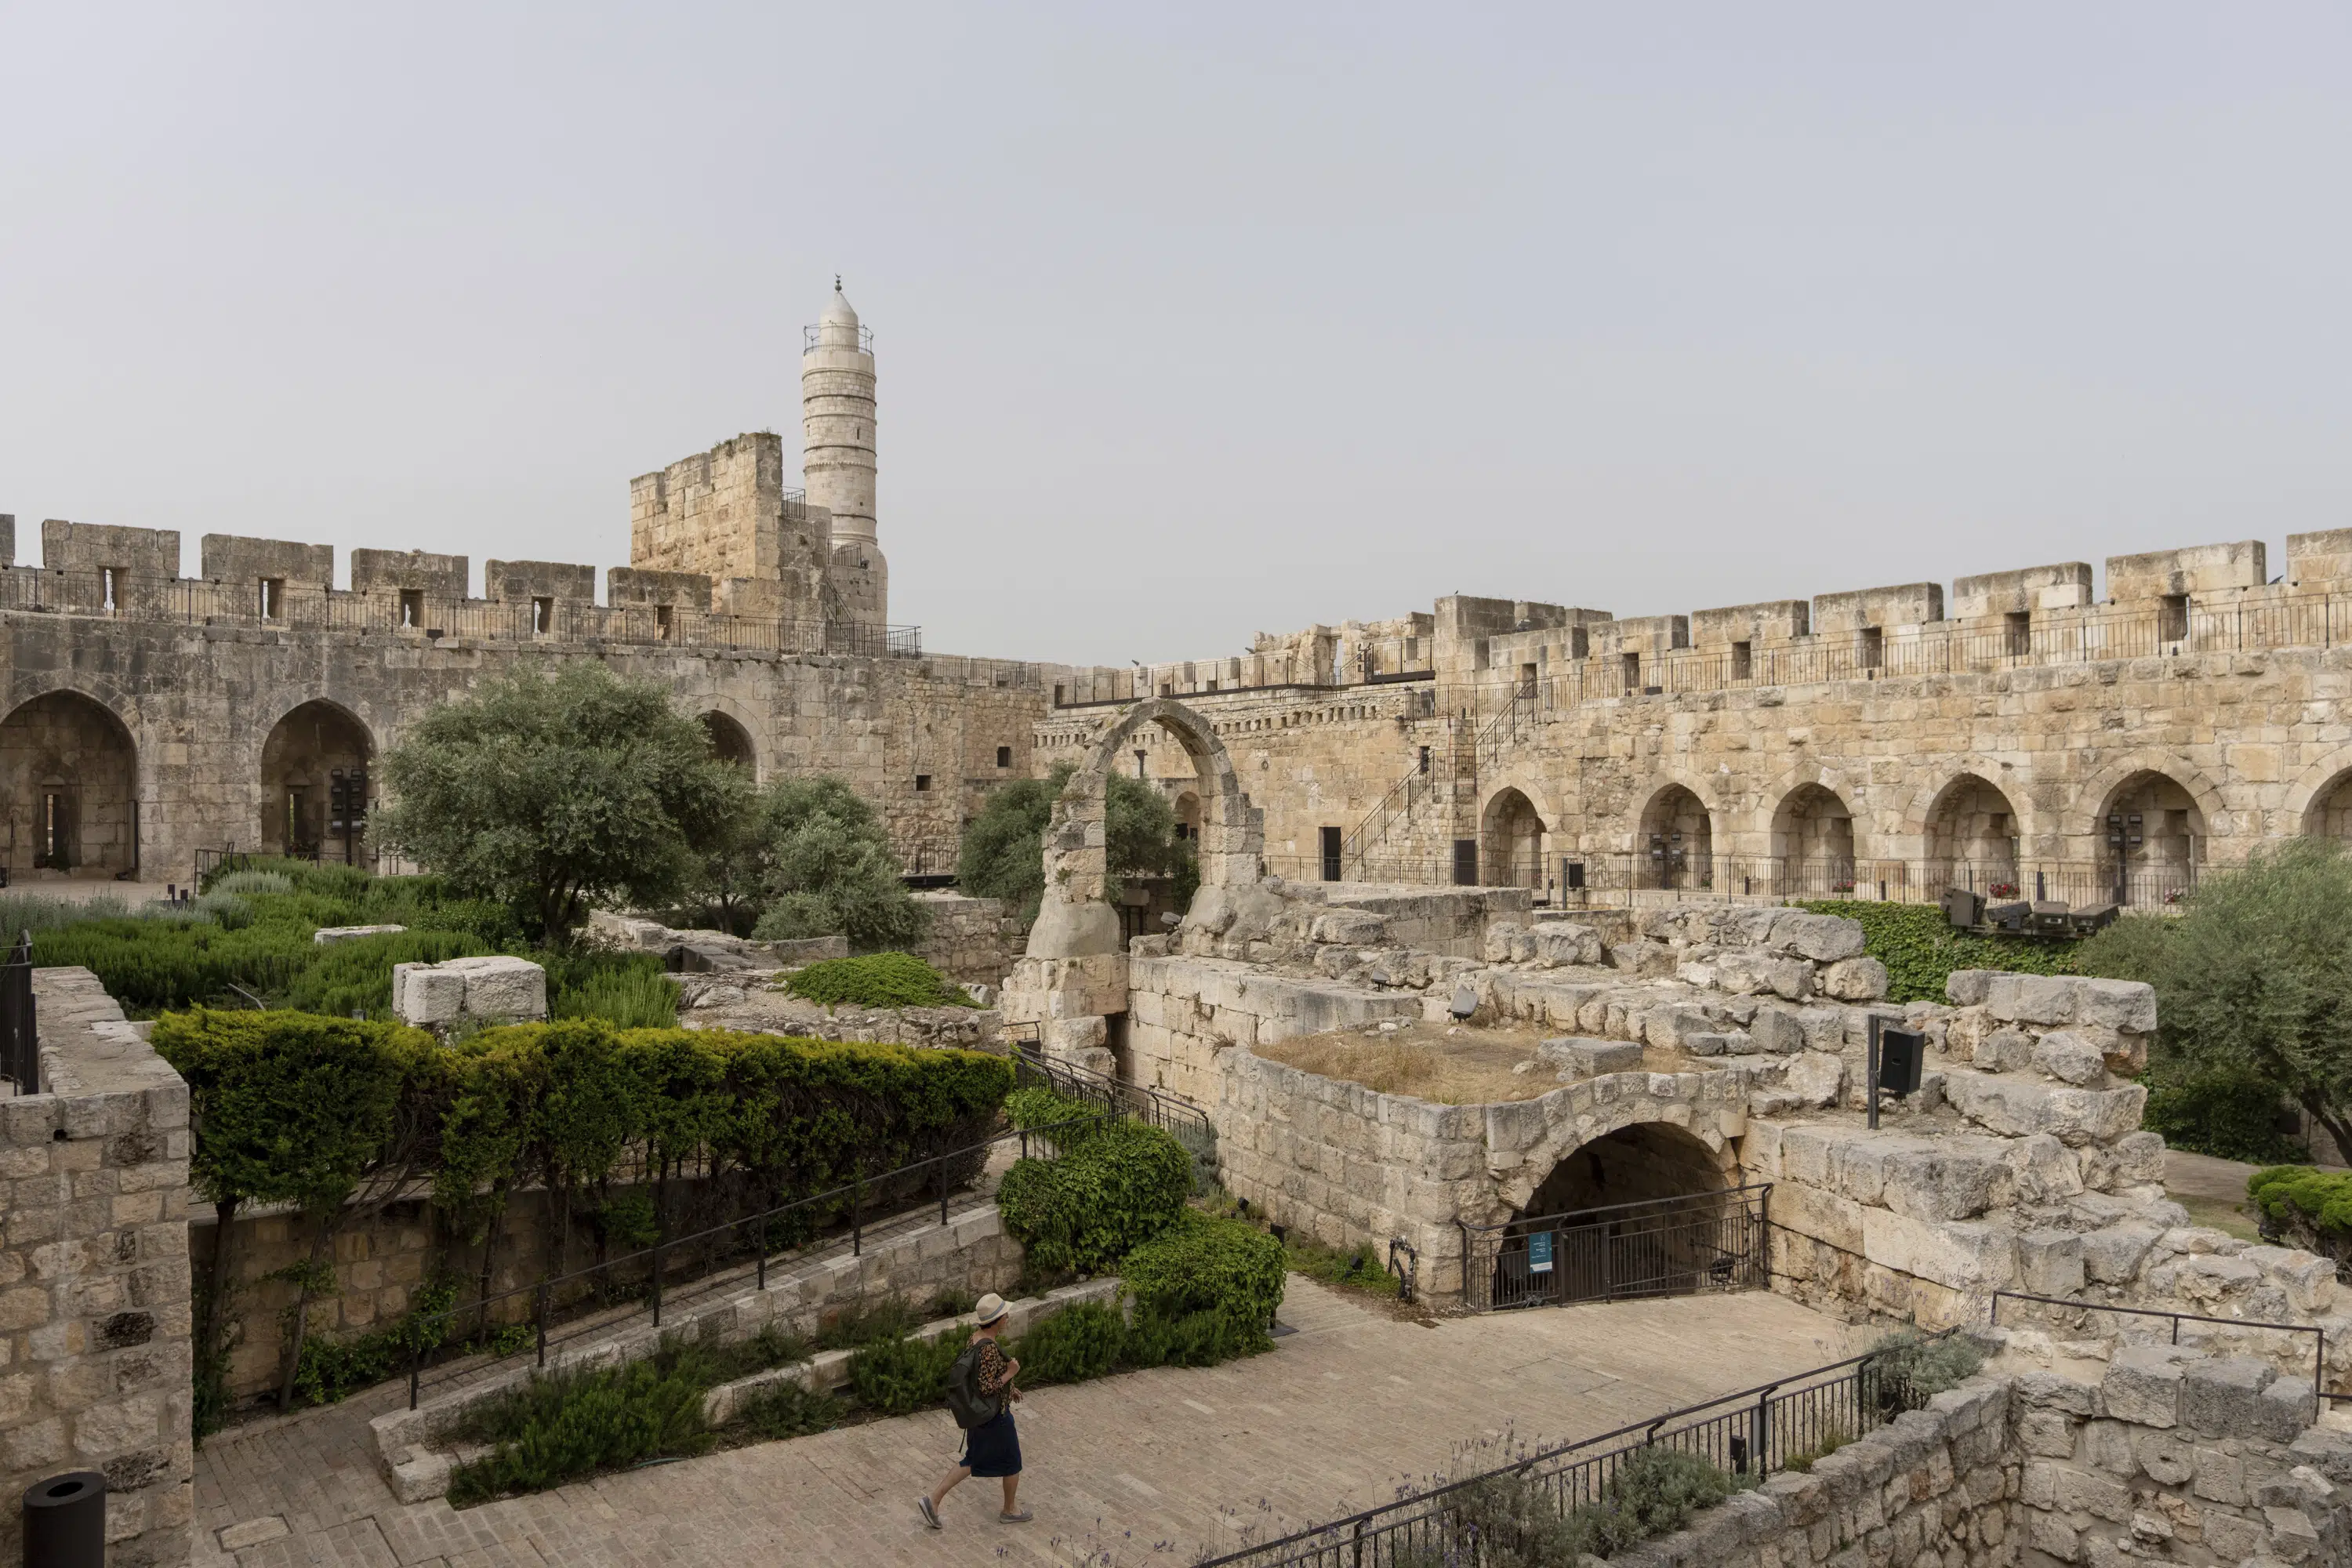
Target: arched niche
x: 1510, y: 837
x: 1676, y: 844
x: 2151, y: 835
x: 730, y: 741
x: 315, y: 785
x: 1074, y: 920
x: 70, y: 773
x: 1972, y: 832
x: 1812, y: 838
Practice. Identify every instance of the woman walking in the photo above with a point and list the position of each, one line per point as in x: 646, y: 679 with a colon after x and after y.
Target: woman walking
x: 981, y: 1395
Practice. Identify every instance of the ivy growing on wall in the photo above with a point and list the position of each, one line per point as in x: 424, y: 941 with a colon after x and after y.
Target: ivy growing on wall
x: 1921, y: 950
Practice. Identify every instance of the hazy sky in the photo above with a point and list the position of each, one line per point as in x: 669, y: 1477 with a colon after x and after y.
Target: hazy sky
x: 1196, y: 321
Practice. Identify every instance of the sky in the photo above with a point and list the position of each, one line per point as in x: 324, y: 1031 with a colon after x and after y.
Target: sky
x: 1197, y: 321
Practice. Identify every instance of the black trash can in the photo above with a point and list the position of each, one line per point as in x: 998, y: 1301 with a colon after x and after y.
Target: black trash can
x: 64, y: 1522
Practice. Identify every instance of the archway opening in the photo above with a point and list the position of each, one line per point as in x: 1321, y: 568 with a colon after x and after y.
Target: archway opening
x: 2151, y: 840
x: 2329, y: 816
x: 1677, y: 841
x: 1812, y: 838
x: 1972, y: 839
x: 1510, y: 835
x: 315, y: 792
x: 730, y: 741
x: 70, y: 773
x: 1642, y: 1211
x: 1188, y: 817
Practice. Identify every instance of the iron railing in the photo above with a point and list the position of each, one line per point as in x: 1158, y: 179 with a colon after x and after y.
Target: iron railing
x: 1757, y: 1431
x: 1162, y: 1107
x: 640, y: 1280
x: 2319, y: 1335
x: 1653, y: 1246
x: 430, y: 616
x: 20, y: 1042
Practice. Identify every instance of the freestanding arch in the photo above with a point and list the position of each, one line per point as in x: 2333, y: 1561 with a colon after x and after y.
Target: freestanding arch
x: 1812, y: 839
x: 1675, y: 844
x: 1510, y: 837
x: 315, y: 790
x: 69, y: 775
x: 730, y: 741
x: 1972, y: 833
x: 1074, y: 920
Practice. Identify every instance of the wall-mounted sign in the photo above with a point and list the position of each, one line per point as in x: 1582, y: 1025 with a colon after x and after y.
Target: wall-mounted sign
x: 1539, y: 1252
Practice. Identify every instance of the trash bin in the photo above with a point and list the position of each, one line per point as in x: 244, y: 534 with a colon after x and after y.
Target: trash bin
x: 64, y: 1522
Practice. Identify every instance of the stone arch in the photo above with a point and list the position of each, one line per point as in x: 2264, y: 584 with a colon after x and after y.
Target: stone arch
x: 730, y: 742
x: 2150, y: 830
x: 2101, y: 787
x: 1813, y: 841
x: 2320, y: 803
x: 1510, y: 840
x: 70, y: 776
x: 315, y: 789
x: 1074, y: 920
x: 1634, y: 1164
x: 1971, y: 835
x: 1516, y: 1194
x: 1673, y: 843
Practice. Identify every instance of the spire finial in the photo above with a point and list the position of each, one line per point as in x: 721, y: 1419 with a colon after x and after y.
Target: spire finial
x: 836, y: 283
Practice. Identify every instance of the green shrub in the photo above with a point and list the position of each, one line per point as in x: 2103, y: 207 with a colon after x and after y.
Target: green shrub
x: 630, y: 990
x: 229, y: 911
x: 2227, y: 1112
x: 560, y: 1427
x: 867, y: 1325
x: 1927, y: 1367
x: 1195, y: 1339
x: 355, y: 976
x: 1920, y: 949
x: 332, y: 1369
x: 789, y: 1410
x: 1207, y: 1264
x: 1358, y: 1268
x: 2310, y: 1207
x: 1077, y: 1342
x: 1035, y: 1107
x: 877, y: 980
x: 899, y: 1376
x: 251, y: 882
x: 1123, y: 1185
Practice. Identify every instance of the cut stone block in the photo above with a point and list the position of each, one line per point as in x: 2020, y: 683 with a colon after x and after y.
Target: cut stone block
x: 1578, y: 1057
x: 328, y: 936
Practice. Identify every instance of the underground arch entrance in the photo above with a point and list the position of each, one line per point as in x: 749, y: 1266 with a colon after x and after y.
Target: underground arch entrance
x: 1644, y: 1211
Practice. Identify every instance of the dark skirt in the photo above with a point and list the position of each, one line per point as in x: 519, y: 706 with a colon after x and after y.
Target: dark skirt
x: 993, y: 1447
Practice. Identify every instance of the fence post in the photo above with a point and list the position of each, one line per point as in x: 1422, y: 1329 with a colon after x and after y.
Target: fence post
x: 415, y: 1371
x: 658, y: 1246
x: 856, y: 1214
x: 539, y: 1318
x: 763, y: 1249
x: 942, y: 1165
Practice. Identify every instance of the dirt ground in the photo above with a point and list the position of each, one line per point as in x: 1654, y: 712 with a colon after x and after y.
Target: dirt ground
x: 1449, y: 1063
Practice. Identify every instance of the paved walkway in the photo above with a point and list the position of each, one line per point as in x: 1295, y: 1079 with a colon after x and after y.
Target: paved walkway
x: 1149, y: 1467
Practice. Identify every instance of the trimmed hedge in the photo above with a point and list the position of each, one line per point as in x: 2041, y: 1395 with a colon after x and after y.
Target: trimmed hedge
x: 1123, y: 1184
x: 1206, y: 1263
x: 877, y: 980
x: 1920, y: 949
x: 2310, y: 1207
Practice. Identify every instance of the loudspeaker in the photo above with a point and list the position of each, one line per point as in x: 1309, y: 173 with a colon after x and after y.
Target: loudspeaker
x: 1901, y: 1054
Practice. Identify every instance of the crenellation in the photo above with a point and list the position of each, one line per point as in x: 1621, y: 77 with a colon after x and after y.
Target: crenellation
x: 411, y: 571
x: 1903, y: 605
x: 2199, y: 569
x: 515, y: 582
x: 2066, y: 586
x: 626, y: 586
x: 2317, y: 560
x: 1771, y: 621
x: 230, y: 559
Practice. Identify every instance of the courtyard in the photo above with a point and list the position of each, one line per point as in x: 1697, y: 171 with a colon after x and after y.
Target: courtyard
x: 1157, y: 1465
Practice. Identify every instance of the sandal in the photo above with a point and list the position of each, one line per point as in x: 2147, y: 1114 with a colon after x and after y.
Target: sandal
x: 930, y: 1515
x: 1024, y: 1517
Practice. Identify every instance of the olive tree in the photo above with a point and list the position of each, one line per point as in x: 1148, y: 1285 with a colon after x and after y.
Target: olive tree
x: 1004, y: 851
x: 552, y: 790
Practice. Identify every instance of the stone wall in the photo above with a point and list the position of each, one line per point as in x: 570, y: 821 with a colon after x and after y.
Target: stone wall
x: 95, y: 1331
x: 2158, y: 1458
x: 971, y: 940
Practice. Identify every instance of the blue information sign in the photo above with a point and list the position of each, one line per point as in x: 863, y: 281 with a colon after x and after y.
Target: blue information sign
x: 1539, y: 1252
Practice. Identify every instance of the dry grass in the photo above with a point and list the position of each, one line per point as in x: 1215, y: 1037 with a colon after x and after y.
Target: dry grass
x: 1471, y: 1069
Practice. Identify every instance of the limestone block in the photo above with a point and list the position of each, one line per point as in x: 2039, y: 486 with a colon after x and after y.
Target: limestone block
x: 1824, y: 1216
x: 1824, y: 939
x: 1755, y: 970
x: 2290, y: 1407
x: 2020, y: 1107
x: 1967, y: 988
x: 1501, y: 937
x: 1965, y: 1255
x: 2223, y: 1395
x: 2308, y: 1279
x: 2205, y: 1281
x: 426, y: 993
x: 1719, y: 1043
x: 1565, y: 941
x: 1352, y: 928
x: 2050, y: 1262
x: 1776, y: 1031
x: 1590, y: 1059
x: 2069, y: 1058
x: 1945, y: 1178
x: 2030, y: 999
x: 1643, y: 959
x: 2139, y: 1157
x: 1670, y: 1024
x: 1854, y: 978
x: 2126, y: 1004
x: 328, y: 936
x: 2143, y: 1384
x: 2044, y: 1169
x: 1814, y: 1078
x: 499, y: 986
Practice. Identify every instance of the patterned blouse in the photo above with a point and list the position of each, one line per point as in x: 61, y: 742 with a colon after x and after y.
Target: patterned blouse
x: 995, y: 1372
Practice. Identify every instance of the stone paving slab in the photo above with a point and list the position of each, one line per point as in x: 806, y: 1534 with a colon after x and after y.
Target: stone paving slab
x: 1172, y: 1460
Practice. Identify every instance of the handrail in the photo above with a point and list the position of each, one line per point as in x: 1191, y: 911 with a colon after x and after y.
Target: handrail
x: 2319, y: 1362
x: 854, y: 1190
x: 1328, y: 1533
x: 1758, y: 1187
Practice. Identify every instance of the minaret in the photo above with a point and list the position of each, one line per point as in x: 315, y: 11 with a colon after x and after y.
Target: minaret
x: 837, y: 455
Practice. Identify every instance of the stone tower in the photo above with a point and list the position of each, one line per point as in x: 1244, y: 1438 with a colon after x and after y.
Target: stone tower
x: 837, y: 456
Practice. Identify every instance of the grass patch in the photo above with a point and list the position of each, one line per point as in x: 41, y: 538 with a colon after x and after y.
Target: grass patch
x: 1356, y: 1268
x: 877, y: 980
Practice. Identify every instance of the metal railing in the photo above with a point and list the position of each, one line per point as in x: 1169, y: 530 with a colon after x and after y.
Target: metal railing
x: 1629, y: 877
x: 1162, y: 1107
x: 20, y: 1042
x: 641, y: 1278
x: 1651, y: 1246
x: 1757, y: 1431
x: 2319, y: 1349
x: 432, y: 617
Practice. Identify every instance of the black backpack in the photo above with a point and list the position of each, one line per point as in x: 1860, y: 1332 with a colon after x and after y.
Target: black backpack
x: 971, y: 1408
